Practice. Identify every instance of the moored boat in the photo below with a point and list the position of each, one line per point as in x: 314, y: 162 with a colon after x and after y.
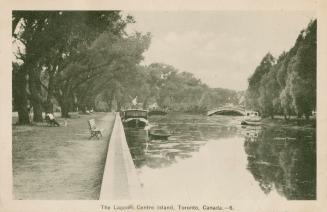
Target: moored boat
x: 135, y: 118
x: 251, y: 118
x: 155, y: 133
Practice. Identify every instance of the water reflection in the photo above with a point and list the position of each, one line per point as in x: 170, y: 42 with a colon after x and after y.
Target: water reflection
x: 189, y: 133
x: 278, y: 161
x: 285, y: 160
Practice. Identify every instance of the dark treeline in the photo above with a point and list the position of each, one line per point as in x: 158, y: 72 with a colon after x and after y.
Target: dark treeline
x: 287, y: 85
x: 66, y: 57
x: 174, y: 90
x: 71, y: 61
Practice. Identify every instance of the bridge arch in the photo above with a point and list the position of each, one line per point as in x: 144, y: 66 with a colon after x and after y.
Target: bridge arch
x: 232, y: 111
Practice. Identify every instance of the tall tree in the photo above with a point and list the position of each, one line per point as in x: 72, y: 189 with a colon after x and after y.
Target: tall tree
x: 253, y: 93
x: 289, y: 85
x: 54, y: 39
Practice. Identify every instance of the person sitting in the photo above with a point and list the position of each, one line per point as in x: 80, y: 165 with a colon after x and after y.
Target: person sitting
x: 51, y: 119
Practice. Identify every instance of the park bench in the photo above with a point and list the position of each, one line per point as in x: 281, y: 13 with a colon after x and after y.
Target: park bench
x: 93, y: 129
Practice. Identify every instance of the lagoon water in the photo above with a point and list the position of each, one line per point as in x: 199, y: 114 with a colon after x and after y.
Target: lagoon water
x: 216, y: 158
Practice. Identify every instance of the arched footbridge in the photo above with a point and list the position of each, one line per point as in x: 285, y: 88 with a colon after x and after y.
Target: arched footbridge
x: 236, y: 111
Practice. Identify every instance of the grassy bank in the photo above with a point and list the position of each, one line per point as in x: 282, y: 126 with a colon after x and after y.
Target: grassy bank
x: 59, y: 162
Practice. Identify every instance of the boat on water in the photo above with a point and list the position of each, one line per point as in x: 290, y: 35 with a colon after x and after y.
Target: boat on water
x: 251, y: 118
x: 156, y: 133
x: 135, y: 118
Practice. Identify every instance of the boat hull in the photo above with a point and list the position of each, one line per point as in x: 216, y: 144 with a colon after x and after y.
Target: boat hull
x: 251, y: 123
x: 159, y: 134
x: 158, y: 137
x: 135, y: 123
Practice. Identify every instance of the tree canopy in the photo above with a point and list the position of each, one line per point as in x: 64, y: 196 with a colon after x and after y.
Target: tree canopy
x: 60, y: 53
x: 287, y: 86
x: 78, y: 60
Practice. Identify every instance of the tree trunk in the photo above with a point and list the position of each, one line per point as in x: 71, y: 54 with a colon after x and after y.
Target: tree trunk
x: 118, y: 106
x: 37, y: 112
x: 64, y: 110
x: 20, y: 96
x: 23, y: 117
x: 36, y: 96
x: 110, y: 105
x: 64, y: 105
x: 110, y: 100
x: 48, y: 106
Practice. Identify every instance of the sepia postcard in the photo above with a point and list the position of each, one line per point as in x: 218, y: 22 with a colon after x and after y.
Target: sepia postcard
x: 163, y: 106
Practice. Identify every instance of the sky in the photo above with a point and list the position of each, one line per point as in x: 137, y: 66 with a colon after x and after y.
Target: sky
x: 222, y: 48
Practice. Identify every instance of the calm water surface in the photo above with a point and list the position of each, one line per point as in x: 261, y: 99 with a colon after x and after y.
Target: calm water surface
x: 215, y: 158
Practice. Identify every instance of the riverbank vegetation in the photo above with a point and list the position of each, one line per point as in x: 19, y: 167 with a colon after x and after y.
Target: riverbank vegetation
x: 61, y: 55
x: 287, y: 85
x: 74, y: 61
x: 179, y: 91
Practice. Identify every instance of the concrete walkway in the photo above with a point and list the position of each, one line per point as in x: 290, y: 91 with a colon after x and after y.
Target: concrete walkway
x: 120, y: 180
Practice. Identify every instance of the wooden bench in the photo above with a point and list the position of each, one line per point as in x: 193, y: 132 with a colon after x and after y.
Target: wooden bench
x: 93, y: 129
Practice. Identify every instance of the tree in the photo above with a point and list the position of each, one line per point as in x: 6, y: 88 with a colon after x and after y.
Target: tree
x: 33, y: 25
x: 303, y: 73
x: 53, y: 40
x: 19, y: 94
x: 121, y: 57
x: 288, y: 86
x: 253, y: 93
x: 269, y: 94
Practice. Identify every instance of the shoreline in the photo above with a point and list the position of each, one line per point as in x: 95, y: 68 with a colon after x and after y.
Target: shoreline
x: 293, y: 123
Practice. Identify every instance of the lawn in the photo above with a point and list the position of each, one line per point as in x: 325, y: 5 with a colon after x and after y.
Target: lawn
x: 59, y: 162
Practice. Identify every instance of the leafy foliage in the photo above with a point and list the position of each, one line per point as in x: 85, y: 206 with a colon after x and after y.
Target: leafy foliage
x: 288, y: 86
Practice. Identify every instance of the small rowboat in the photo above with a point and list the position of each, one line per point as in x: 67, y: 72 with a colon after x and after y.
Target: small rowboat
x: 159, y: 134
x: 250, y: 123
